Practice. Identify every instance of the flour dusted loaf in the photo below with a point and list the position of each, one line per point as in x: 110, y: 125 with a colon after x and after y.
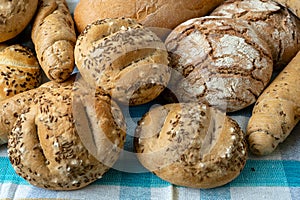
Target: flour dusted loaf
x: 161, y: 13
x: 220, y: 61
x: 19, y: 70
x: 54, y: 37
x: 274, y: 24
x: 44, y: 145
x: 190, y: 144
x: 124, y: 59
x: 15, y: 15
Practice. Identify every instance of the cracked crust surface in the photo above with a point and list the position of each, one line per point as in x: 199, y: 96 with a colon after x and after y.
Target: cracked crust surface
x: 190, y: 144
x: 219, y: 61
x: 274, y: 24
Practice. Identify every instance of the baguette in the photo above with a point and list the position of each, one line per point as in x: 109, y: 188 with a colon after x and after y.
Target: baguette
x: 276, y: 112
x: 54, y: 37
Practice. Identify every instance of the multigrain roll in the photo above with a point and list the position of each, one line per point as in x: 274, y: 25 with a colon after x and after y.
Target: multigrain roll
x: 161, y: 13
x: 123, y: 59
x: 44, y: 145
x: 11, y: 108
x: 219, y: 61
x: 190, y: 144
x: 15, y: 15
x: 273, y: 23
x: 19, y: 70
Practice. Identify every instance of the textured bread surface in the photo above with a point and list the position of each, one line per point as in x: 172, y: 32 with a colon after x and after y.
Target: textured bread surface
x: 44, y: 145
x: 124, y: 59
x: 54, y: 37
x: 159, y: 13
x: 15, y: 15
x: 191, y: 145
x: 220, y: 61
x: 19, y: 71
x: 292, y: 5
x: 274, y: 24
x: 276, y: 112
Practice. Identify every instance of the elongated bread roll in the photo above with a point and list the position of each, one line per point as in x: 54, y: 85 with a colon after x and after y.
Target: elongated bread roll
x: 54, y: 37
x: 276, y: 112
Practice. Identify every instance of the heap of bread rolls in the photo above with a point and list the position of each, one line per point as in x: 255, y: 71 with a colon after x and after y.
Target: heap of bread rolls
x: 211, y: 58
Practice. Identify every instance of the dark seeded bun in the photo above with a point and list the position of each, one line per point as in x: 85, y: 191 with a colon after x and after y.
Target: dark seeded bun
x: 15, y: 15
x: 191, y: 145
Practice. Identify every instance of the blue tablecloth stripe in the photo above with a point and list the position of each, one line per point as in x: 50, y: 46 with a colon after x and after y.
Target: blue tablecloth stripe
x: 271, y: 173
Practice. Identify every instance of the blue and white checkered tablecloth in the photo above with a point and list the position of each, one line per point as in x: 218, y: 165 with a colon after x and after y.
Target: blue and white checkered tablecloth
x: 276, y: 176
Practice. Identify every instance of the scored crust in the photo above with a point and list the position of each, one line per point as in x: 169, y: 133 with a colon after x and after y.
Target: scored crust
x: 44, y: 146
x: 124, y: 59
x: 191, y: 145
x: 220, y: 61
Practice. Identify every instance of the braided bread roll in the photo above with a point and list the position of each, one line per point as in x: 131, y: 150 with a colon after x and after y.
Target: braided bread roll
x: 54, y: 37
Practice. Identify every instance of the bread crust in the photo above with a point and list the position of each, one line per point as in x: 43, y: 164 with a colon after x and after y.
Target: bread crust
x: 45, y: 146
x: 53, y: 34
x: 15, y: 16
x: 190, y: 144
x: 219, y: 61
x: 159, y: 13
x: 20, y: 71
x: 124, y: 59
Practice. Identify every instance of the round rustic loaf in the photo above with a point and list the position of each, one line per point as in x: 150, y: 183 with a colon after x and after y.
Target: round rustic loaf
x: 45, y: 147
x: 190, y: 144
x: 123, y: 59
x: 274, y: 24
x: 19, y: 71
x: 15, y: 15
x: 220, y: 61
x: 161, y: 13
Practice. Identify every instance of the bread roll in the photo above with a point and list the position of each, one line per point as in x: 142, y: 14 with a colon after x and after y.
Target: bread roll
x: 191, y: 145
x: 15, y: 15
x: 123, y: 59
x: 220, y: 61
x: 54, y: 37
x: 44, y: 145
x: 274, y: 24
x: 20, y: 71
x: 11, y: 108
x: 161, y: 13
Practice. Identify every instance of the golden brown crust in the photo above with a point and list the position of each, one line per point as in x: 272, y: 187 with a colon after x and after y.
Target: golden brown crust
x: 20, y: 71
x: 15, y: 15
x: 191, y: 145
x: 54, y: 37
x: 45, y: 146
x: 159, y: 13
x: 124, y: 59
x: 292, y: 5
x: 276, y: 111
